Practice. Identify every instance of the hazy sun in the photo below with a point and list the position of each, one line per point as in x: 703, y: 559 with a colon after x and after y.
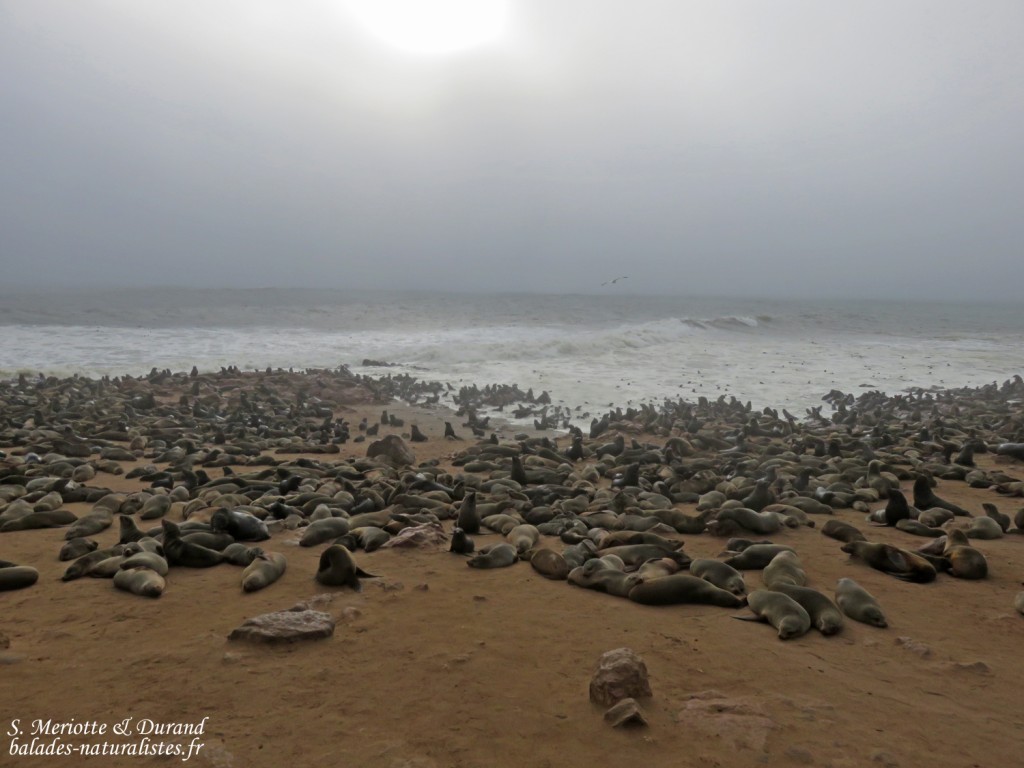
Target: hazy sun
x: 432, y: 26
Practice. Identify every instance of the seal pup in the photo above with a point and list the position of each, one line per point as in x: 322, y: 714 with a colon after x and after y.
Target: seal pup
x: 825, y: 615
x: 718, y: 573
x: 338, y: 569
x: 857, y: 603
x: 264, y: 570
x: 780, y: 610
x: 461, y: 543
x: 523, y: 537
x: 495, y: 556
x: 140, y: 581
x: 897, y: 562
x: 682, y: 588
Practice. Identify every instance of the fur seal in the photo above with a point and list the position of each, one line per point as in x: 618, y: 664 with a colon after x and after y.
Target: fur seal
x: 523, y: 537
x: 1018, y: 603
x: 140, y: 581
x: 469, y: 517
x: 240, y: 554
x: 185, y: 553
x: 964, y: 561
x: 984, y: 528
x: 840, y: 531
x: 897, y: 562
x: 461, y: 543
x: 917, y: 528
x: 635, y: 555
x: 763, y: 523
x: 338, y: 569
x: 825, y: 615
x: 76, y: 548
x: 857, y: 603
x: 145, y: 559
x: 784, y: 568
x: 780, y: 610
x: 718, y: 573
x: 549, y: 564
x: 324, y: 530
x: 17, y: 577
x: 264, y: 570
x: 925, y: 498
x: 608, y: 580
x: 241, y: 526
x: 683, y: 588
x: 756, y: 556
x: 495, y: 556
x: 897, y: 509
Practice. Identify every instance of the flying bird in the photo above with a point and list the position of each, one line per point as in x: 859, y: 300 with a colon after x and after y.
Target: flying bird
x: 613, y: 282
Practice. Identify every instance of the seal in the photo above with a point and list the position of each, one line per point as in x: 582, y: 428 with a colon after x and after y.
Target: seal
x: 129, y: 530
x: 984, y: 528
x: 461, y: 543
x: 549, y: 564
x: 1018, y: 603
x: 338, y: 569
x: 965, y: 562
x: 897, y: 562
x: 683, y: 588
x: 756, y: 556
x: 76, y: 548
x: 635, y: 555
x: 241, y: 526
x: 185, y: 553
x: 523, y: 537
x: 917, y: 528
x: 785, y: 568
x: 925, y: 498
x: 324, y: 530
x: 780, y: 610
x: 140, y: 581
x: 825, y: 615
x: 263, y: 571
x: 87, y: 562
x: 657, y: 568
x: 469, y: 518
x: 718, y: 573
x: 495, y: 556
x: 17, y: 577
x: 239, y: 554
x: 602, y: 579
x: 763, y: 523
x: 840, y: 531
x: 857, y: 603
x: 145, y: 559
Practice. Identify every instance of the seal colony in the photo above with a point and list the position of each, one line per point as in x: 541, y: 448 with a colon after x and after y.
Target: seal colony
x: 234, y: 468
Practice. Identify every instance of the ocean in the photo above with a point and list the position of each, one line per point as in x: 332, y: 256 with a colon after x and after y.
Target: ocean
x: 592, y: 351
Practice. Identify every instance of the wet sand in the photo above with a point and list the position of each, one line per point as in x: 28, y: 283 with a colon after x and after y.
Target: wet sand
x: 437, y: 664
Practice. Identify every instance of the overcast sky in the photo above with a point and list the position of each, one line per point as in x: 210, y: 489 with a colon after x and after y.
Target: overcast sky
x: 869, y: 148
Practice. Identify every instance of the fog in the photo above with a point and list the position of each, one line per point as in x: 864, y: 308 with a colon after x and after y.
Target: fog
x: 869, y: 149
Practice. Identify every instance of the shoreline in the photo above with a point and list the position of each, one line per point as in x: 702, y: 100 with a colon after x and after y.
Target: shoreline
x: 431, y: 642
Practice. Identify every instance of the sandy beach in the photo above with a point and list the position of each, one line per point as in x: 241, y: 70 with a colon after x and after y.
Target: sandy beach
x: 437, y: 664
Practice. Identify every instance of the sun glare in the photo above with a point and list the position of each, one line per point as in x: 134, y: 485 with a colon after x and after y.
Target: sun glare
x: 431, y: 26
